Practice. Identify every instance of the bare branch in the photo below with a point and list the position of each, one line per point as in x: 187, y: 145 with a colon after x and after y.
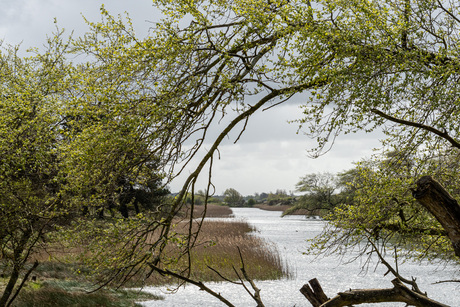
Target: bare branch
x: 399, y: 293
x: 442, y: 134
x: 394, y: 272
x: 193, y: 282
x: 256, y: 295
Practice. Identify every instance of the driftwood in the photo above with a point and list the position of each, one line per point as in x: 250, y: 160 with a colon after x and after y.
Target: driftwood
x: 442, y: 206
x: 399, y: 293
x: 314, y: 293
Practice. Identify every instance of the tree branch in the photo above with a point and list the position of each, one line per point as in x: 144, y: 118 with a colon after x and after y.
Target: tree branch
x: 256, y: 295
x: 442, y: 206
x: 26, y: 276
x: 393, y: 271
x: 315, y: 295
x: 439, y: 133
x: 193, y: 282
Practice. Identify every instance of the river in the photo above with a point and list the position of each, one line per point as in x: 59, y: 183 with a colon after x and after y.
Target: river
x: 289, y: 234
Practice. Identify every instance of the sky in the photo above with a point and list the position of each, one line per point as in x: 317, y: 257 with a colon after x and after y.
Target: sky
x: 270, y: 155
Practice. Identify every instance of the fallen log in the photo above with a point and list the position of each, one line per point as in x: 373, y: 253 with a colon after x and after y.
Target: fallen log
x: 399, y: 293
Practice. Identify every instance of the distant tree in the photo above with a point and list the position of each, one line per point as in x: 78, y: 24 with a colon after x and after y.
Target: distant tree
x: 233, y: 198
x: 322, y: 193
x: 281, y: 192
x: 280, y: 197
x: 251, y: 202
x: 263, y: 196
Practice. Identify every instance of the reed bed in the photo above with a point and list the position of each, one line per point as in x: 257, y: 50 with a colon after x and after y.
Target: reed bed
x: 212, y: 211
x: 285, y: 208
x: 218, y: 246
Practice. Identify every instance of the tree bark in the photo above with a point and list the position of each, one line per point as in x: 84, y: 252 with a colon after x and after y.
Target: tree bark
x: 10, y: 286
x: 399, y: 293
x: 442, y: 206
x: 34, y: 266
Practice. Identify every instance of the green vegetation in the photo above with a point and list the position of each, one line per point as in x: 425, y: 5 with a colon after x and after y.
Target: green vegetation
x: 217, y: 247
x: 378, y: 205
x: 65, y: 283
x: 88, y: 144
x: 233, y: 198
x: 63, y: 293
x: 323, y: 192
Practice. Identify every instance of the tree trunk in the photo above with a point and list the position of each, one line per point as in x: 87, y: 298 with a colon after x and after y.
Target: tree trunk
x: 18, y: 264
x: 442, y: 206
x: 10, y: 286
x: 34, y: 266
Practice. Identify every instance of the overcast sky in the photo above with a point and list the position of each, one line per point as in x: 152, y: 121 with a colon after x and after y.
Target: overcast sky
x: 269, y: 156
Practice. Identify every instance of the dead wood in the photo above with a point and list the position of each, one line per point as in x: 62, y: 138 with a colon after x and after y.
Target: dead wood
x: 314, y: 293
x: 399, y: 293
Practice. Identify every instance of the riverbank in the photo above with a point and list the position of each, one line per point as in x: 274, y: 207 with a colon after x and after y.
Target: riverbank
x: 55, y: 282
x: 218, y: 247
x: 291, y: 234
x: 286, y: 209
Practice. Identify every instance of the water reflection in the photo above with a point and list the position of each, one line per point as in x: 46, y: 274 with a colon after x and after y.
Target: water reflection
x: 289, y: 234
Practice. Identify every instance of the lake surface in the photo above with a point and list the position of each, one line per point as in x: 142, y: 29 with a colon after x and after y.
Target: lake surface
x: 289, y: 234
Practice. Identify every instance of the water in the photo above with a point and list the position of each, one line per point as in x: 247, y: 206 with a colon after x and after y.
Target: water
x: 289, y: 234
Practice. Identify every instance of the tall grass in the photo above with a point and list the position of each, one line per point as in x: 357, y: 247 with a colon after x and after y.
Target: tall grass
x: 211, y: 211
x: 217, y: 248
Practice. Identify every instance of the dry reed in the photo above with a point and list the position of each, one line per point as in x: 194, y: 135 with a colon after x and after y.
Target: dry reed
x: 217, y: 248
x: 212, y: 211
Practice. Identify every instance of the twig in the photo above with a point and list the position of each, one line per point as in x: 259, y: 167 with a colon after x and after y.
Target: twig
x: 193, y: 282
x: 223, y: 277
x: 446, y: 281
x: 394, y: 272
x: 256, y: 295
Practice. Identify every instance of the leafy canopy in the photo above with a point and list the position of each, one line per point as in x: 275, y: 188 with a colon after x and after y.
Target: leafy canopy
x: 354, y: 65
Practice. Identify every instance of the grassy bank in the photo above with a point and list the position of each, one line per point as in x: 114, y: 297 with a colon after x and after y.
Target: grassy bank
x: 289, y: 210
x: 56, y: 283
x: 266, y: 207
x: 212, y: 211
x: 73, y: 292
